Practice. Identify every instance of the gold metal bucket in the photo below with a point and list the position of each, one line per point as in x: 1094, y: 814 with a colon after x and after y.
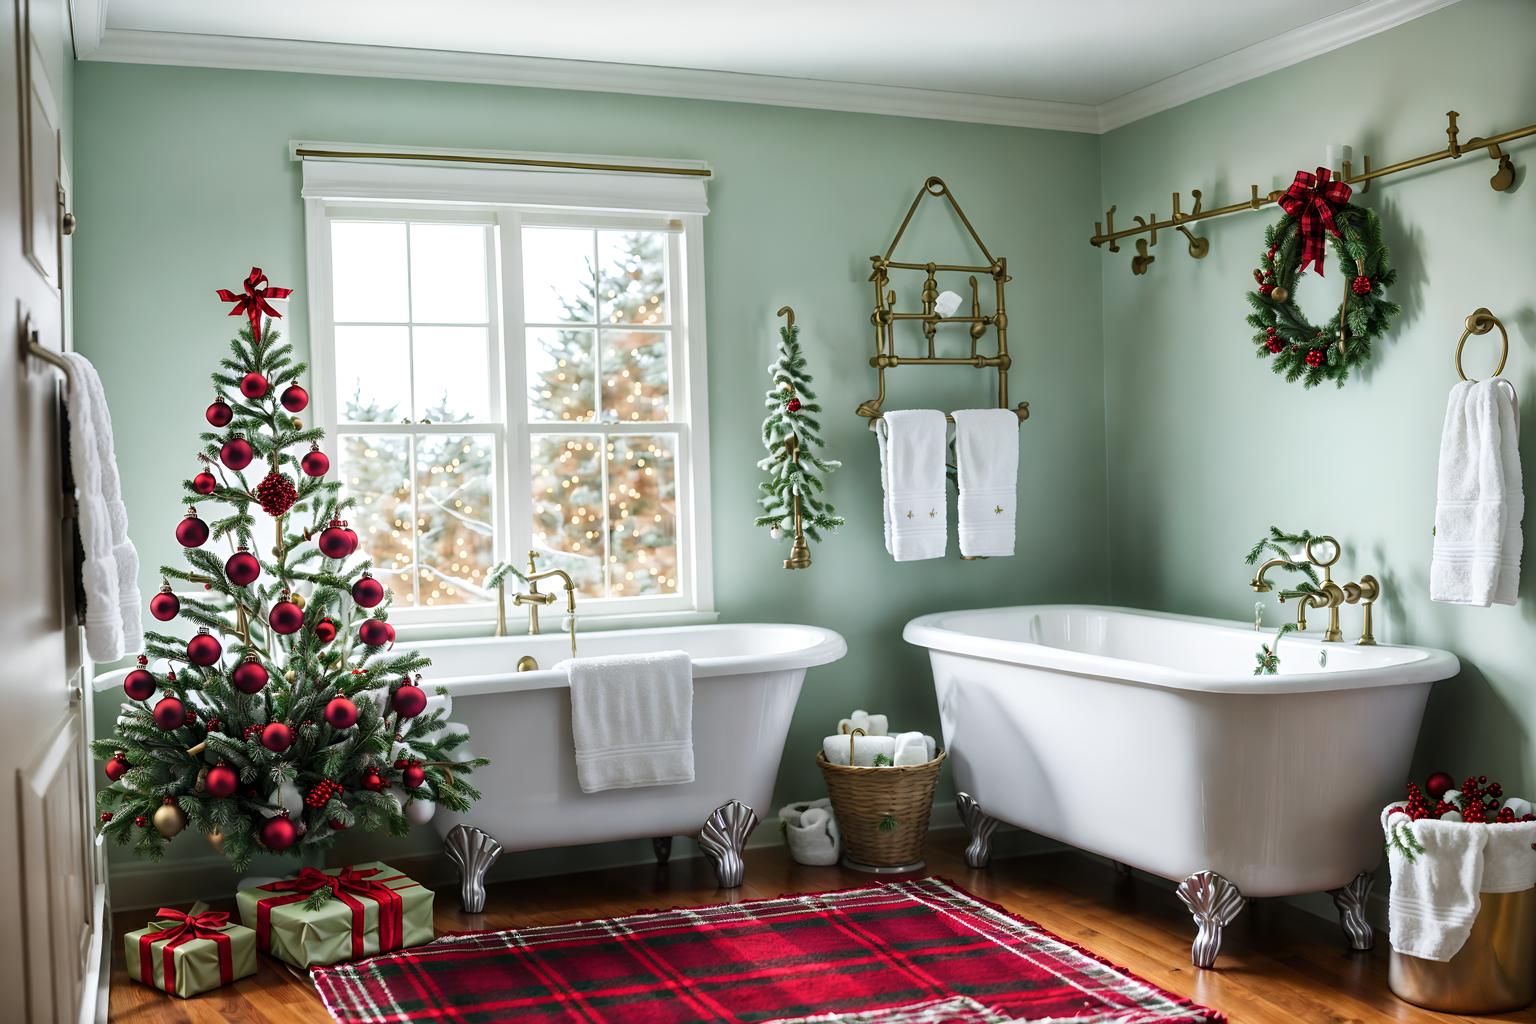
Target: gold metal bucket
x: 1493, y: 973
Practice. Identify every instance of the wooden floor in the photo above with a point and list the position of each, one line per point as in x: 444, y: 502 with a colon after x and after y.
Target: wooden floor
x: 1278, y: 964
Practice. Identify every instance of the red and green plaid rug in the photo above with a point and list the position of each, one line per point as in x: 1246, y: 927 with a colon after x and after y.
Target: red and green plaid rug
x: 922, y: 952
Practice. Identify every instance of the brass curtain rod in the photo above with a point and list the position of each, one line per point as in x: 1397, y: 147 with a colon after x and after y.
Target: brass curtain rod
x: 504, y: 161
x: 1453, y: 151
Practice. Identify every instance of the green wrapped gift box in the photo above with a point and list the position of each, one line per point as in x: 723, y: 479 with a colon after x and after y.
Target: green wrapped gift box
x: 362, y: 909
x: 191, y: 952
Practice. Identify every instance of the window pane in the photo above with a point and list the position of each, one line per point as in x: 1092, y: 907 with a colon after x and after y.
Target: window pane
x: 453, y: 374
x: 642, y: 514
x: 455, y: 481
x: 373, y: 374
x: 637, y: 373
x: 568, y: 507
x: 561, y: 384
x: 375, y: 470
x: 633, y: 284
x: 448, y: 274
x: 559, y: 279
x: 368, y: 275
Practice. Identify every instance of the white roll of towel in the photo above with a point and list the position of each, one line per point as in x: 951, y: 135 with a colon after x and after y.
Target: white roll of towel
x: 873, y: 725
x: 810, y: 830
x: 865, y: 749
x: 913, y: 748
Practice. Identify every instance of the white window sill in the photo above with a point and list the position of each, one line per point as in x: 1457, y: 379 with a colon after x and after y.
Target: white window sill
x: 517, y: 625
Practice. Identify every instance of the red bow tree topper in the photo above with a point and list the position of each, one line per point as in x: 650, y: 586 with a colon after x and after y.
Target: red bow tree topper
x: 252, y: 300
x: 1313, y: 200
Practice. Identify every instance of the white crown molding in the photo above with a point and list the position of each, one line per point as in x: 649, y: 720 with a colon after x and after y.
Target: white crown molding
x: 94, y: 41
x: 184, y: 50
x: 1310, y: 40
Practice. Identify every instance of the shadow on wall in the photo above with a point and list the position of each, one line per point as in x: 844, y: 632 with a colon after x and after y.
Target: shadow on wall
x: 1469, y: 706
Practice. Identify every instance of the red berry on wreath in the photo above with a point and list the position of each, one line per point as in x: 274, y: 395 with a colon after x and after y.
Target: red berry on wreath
x: 367, y: 591
x: 242, y: 568
x: 250, y: 676
x: 253, y: 385
x: 1361, y: 285
x: 294, y: 398
x: 117, y: 766
x: 276, y: 494
x: 164, y: 605
x: 191, y: 532
x: 139, y: 684
x: 219, y: 414
x: 286, y: 616
x: 140, y: 821
x: 1315, y: 357
x: 325, y: 630
x: 793, y: 405
x: 276, y: 737
x: 1274, y: 345
x: 169, y: 713
x: 204, y: 648
x: 237, y: 452
x: 409, y: 700
x: 106, y: 816
x: 1266, y: 290
x: 279, y: 833
x: 222, y: 781
x: 341, y: 713
x: 374, y: 633
x: 1258, y: 276
x: 314, y: 462
x: 204, y: 482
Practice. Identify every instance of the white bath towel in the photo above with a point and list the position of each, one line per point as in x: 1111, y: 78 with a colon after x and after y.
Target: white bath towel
x: 129, y: 598
x: 810, y: 830
x: 987, y: 468
x: 866, y: 750
x: 913, y: 450
x: 632, y: 720
x: 913, y: 748
x: 1479, y: 499
x: 873, y: 725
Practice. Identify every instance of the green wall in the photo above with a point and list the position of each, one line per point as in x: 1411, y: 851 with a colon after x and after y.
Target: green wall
x: 183, y: 182
x: 1207, y: 447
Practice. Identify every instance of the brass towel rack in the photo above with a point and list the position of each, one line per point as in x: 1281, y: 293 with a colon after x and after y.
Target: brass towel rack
x: 885, y: 316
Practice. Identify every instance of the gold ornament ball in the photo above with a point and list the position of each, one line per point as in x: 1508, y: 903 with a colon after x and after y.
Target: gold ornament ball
x: 298, y: 424
x: 170, y: 820
x: 216, y: 840
x: 290, y: 675
x: 297, y: 599
x: 1279, y: 295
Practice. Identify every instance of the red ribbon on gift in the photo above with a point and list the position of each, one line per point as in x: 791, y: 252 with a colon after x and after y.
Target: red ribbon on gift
x: 1313, y: 200
x: 209, y: 925
x: 253, y: 301
x: 346, y: 885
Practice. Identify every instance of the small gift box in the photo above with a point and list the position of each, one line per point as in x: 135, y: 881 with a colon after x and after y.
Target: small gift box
x: 326, y: 917
x: 192, y: 952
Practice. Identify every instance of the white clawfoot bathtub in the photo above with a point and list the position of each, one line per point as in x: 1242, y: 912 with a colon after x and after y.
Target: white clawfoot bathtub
x: 1144, y: 737
x: 746, y: 681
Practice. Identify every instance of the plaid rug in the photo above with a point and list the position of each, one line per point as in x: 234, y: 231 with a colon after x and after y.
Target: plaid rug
x: 921, y: 952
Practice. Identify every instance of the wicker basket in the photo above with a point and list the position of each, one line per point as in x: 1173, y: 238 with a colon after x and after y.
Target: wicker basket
x: 882, y: 812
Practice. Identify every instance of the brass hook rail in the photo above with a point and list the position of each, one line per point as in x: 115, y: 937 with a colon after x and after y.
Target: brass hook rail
x: 1105, y: 233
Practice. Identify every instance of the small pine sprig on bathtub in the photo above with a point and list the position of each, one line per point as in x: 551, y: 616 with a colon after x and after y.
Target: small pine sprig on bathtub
x: 1268, y: 657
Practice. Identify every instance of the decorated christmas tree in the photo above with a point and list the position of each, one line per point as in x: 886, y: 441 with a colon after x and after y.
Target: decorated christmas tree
x: 287, y: 717
x: 792, y: 435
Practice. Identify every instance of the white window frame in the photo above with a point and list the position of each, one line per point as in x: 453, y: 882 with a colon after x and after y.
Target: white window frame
x: 387, y: 191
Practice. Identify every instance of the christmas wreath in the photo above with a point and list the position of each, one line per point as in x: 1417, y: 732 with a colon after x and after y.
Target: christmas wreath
x: 1317, y: 210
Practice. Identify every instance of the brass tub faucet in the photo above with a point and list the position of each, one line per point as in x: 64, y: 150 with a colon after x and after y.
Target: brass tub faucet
x: 1329, y: 594
x: 533, y: 599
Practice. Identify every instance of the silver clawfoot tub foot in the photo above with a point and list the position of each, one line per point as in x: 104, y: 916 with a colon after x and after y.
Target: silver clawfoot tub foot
x: 980, y: 825
x: 724, y: 833
x: 1214, y: 902
x: 1351, y: 903
x: 473, y: 851
x: 663, y: 847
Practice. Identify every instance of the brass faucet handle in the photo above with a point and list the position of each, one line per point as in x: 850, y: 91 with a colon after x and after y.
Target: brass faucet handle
x: 533, y: 563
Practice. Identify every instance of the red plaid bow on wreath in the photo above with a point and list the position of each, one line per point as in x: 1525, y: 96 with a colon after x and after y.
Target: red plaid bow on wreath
x: 1313, y: 200
x: 253, y: 301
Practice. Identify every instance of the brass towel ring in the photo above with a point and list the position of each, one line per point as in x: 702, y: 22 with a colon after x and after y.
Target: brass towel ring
x: 1481, y: 322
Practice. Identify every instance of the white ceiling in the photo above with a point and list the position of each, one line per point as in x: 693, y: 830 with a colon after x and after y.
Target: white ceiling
x: 1083, y: 53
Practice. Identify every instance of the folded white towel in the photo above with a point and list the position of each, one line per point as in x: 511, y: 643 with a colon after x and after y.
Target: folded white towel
x: 129, y: 599
x: 865, y: 749
x: 1479, y: 498
x: 913, y: 449
x: 632, y: 720
x: 873, y: 725
x: 911, y: 748
x: 1434, y: 899
x: 987, y: 467
x: 100, y: 577
x: 811, y: 831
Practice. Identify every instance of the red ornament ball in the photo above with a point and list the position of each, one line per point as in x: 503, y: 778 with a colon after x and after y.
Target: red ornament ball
x: 237, y: 453
x: 374, y: 781
x: 250, y: 676
x: 1361, y: 285
x: 276, y: 737
x: 117, y: 767
x: 164, y: 605
x: 276, y: 494
x: 412, y: 776
x: 192, y: 532
x: 335, y: 541
x: 279, y: 833
x: 1315, y: 357
x: 367, y: 591
x: 106, y: 816
x: 204, y: 648
x: 242, y: 568
x: 139, y: 684
x: 204, y: 482
x: 409, y: 700
x: 325, y: 630
x: 793, y: 405
x: 169, y: 713
x: 253, y: 385
x: 341, y: 713
x: 222, y: 781
x: 219, y: 414
x: 294, y: 398
x: 314, y: 462
x: 374, y: 632
x: 1438, y: 784
x: 285, y: 616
